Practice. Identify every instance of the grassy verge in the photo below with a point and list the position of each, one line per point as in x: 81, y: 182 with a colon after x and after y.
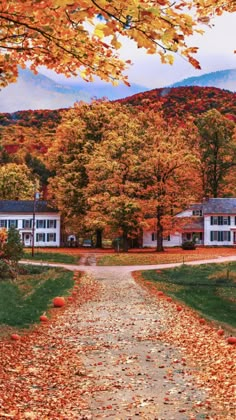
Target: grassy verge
x: 23, y: 301
x: 52, y: 257
x: 166, y: 257
x: 209, y: 288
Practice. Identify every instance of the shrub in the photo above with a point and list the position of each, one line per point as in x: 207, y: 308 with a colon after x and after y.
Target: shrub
x: 188, y: 245
x: 5, y: 271
x: 13, y: 247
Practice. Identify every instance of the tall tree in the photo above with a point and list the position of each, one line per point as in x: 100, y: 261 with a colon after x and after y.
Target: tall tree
x: 70, y: 36
x: 166, y: 172
x: 81, y: 129
x: 112, y: 186
x: 217, y: 150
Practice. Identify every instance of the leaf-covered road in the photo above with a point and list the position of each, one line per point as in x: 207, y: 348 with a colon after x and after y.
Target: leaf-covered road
x: 118, y: 351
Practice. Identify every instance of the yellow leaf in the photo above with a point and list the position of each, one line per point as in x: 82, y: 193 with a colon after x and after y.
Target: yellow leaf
x: 99, y: 30
x: 169, y: 58
x: 116, y: 44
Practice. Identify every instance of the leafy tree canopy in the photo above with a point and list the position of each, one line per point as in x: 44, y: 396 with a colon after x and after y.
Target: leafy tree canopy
x: 16, y: 182
x: 84, y: 36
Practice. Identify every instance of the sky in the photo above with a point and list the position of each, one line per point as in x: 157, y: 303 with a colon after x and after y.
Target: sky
x: 216, y: 52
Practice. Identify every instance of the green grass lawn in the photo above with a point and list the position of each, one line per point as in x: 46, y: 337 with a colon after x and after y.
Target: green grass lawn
x: 166, y: 257
x: 209, y: 288
x: 52, y: 257
x: 25, y: 299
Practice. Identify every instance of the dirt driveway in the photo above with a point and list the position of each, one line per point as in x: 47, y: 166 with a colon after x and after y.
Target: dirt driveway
x: 130, y: 370
x: 131, y: 377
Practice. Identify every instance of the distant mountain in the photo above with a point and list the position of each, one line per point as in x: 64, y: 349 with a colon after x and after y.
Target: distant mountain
x: 223, y: 79
x: 39, y: 92
x: 32, y: 92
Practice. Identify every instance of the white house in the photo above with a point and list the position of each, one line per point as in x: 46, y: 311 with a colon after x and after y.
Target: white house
x: 211, y: 223
x: 33, y: 219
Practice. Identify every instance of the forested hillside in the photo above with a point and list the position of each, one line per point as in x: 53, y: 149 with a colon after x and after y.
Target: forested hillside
x: 178, y: 102
x: 27, y: 135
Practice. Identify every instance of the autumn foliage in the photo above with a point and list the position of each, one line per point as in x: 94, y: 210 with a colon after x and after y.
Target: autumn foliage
x: 84, y: 38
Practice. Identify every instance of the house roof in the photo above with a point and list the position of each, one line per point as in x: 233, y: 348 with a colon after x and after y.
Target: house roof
x: 25, y: 206
x: 194, y: 225
x: 220, y: 206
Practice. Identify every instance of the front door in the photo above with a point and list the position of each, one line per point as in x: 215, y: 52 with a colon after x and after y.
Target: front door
x: 234, y: 237
x: 27, y: 239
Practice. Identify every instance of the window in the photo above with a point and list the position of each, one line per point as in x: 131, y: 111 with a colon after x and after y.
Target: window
x: 40, y: 237
x: 226, y: 236
x: 220, y: 236
x: 41, y: 224
x: 51, y: 224
x: 3, y: 223
x: 154, y: 236
x: 167, y: 238
x: 51, y: 237
x: 12, y: 223
x: 27, y: 223
x: 197, y: 212
x: 214, y: 235
x: 220, y: 220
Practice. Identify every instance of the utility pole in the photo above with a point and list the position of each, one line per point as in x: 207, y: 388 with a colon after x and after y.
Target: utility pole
x: 36, y: 197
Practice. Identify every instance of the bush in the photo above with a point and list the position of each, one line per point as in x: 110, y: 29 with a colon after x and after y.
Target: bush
x: 13, y: 248
x: 188, y: 245
x: 5, y: 271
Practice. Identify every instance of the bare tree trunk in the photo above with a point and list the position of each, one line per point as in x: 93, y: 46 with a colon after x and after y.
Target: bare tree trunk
x: 125, y: 242
x: 98, y: 238
x: 160, y: 247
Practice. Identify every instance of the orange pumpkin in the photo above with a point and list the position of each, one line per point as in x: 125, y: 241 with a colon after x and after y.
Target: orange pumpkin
x: 169, y: 299
x: 58, y: 302
x: 231, y: 340
x: 179, y: 308
x: 15, y: 337
x: 43, y: 318
x: 202, y: 321
x: 220, y: 332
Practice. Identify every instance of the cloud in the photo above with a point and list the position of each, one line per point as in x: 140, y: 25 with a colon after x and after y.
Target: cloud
x: 216, y: 52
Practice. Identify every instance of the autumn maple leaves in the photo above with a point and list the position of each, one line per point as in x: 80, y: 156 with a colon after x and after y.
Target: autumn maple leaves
x: 84, y: 37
